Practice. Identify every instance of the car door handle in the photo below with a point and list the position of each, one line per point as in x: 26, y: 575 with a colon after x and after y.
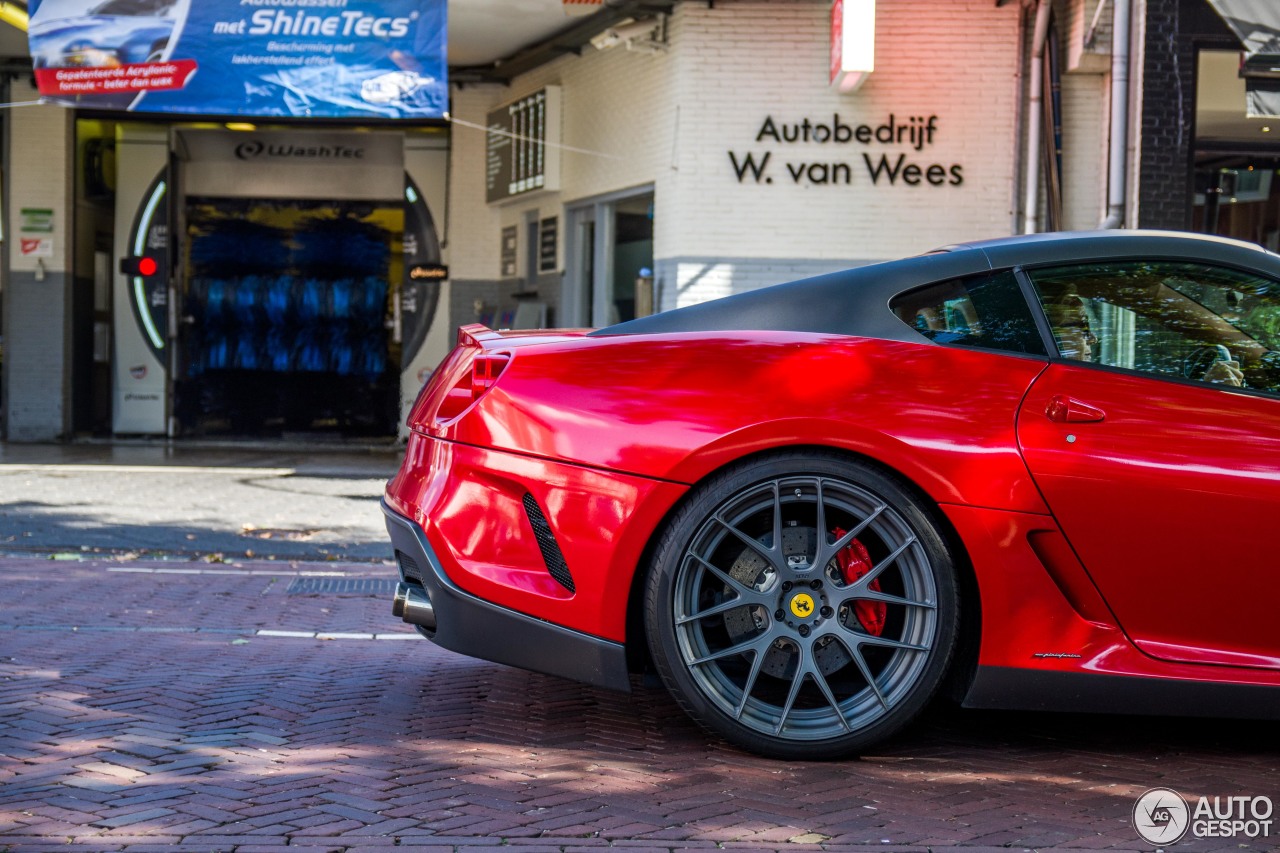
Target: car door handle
x: 1066, y: 410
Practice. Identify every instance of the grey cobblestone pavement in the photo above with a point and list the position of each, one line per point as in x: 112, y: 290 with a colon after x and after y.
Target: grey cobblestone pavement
x: 153, y: 700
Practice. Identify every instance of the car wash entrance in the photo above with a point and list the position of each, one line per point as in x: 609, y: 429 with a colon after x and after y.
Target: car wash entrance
x: 284, y: 281
x: 286, y: 317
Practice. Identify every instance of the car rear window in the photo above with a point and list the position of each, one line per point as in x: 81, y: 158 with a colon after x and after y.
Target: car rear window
x: 987, y: 311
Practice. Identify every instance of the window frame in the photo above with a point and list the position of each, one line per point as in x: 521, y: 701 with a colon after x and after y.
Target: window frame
x: 1028, y: 288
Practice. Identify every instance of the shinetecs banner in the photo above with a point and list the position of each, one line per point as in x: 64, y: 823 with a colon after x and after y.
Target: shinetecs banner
x: 288, y: 58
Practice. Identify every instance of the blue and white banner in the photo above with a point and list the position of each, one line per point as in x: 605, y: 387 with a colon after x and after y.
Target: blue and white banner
x: 286, y: 58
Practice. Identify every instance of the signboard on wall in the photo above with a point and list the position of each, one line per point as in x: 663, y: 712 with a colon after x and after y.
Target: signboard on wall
x: 522, y: 152
x: 35, y: 232
x: 907, y: 162
x: 287, y: 58
x: 853, y: 43
x: 548, y: 241
x: 281, y: 164
x: 36, y: 247
x: 507, y: 250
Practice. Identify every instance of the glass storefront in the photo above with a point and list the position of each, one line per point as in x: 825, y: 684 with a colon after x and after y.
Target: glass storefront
x: 610, y: 275
x: 1237, y: 157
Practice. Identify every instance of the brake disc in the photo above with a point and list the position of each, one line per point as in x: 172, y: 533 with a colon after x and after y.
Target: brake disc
x: 799, y: 545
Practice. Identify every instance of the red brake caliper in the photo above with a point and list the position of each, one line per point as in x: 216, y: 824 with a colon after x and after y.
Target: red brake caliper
x: 854, y: 563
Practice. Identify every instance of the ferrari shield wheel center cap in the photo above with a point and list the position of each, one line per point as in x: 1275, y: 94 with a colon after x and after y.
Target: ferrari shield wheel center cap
x: 803, y: 605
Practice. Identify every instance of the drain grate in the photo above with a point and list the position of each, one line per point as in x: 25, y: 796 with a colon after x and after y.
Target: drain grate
x: 341, y: 586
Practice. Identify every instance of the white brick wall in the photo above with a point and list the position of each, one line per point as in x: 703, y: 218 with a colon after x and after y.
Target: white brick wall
x: 1085, y: 106
x: 749, y: 60
x: 473, y: 226
x: 671, y: 119
x: 1077, y: 16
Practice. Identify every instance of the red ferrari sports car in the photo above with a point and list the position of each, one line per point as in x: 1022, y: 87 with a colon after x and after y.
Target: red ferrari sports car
x: 1035, y: 472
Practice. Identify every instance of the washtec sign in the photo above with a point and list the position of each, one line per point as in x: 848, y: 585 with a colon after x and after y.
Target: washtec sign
x: 288, y: 58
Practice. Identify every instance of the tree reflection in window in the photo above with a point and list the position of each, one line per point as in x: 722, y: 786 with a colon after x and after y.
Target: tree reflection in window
x: 1173, y: 319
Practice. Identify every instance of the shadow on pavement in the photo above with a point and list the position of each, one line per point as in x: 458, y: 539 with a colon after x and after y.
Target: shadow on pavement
x: 43, y: 528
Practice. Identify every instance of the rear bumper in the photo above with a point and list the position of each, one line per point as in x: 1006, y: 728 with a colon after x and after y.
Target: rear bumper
x: 478, y: 628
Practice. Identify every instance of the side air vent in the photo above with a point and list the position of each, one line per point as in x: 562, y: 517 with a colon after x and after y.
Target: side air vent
x: 547, y: 543
x: 408, y: 568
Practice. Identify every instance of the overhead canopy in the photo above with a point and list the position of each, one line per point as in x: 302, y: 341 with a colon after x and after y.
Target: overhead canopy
x: 1257, y: 24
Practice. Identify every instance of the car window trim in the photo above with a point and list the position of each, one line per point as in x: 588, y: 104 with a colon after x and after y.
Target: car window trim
x: 1273, y: 396
x: 1030, y: 268
x: 1037, y: 313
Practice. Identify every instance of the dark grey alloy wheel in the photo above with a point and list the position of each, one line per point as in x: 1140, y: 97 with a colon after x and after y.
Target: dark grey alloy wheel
x: 802, y: 605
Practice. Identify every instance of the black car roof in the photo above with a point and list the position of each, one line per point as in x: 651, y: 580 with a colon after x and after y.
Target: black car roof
x: 855, y: 301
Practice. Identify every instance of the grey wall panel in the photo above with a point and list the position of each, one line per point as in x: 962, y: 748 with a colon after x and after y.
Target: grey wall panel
x: 36, y: 352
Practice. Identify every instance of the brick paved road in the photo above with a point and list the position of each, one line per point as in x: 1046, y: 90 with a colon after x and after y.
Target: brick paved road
x: 142, y: 708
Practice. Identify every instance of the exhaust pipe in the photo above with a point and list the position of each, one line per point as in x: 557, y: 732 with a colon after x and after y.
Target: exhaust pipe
x: 413, y: 606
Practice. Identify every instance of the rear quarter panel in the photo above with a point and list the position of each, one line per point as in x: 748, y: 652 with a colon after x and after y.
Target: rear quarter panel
x: 678, y: 407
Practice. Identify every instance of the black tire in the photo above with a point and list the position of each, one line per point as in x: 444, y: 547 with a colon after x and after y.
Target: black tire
x: 786, y: 651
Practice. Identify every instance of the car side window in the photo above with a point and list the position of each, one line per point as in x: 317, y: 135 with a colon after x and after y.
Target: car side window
x: 1181, y: 320
x: 987, y: 311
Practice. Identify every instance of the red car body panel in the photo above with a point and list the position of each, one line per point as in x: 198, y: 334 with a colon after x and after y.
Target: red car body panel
x: 669, y: 429
x: 1041, y: 610
x: 473, y: 518
x: 1169, y: 500
x: 657, y: 407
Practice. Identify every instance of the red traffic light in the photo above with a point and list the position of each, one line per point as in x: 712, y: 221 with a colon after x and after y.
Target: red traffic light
x: 143, y: 266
